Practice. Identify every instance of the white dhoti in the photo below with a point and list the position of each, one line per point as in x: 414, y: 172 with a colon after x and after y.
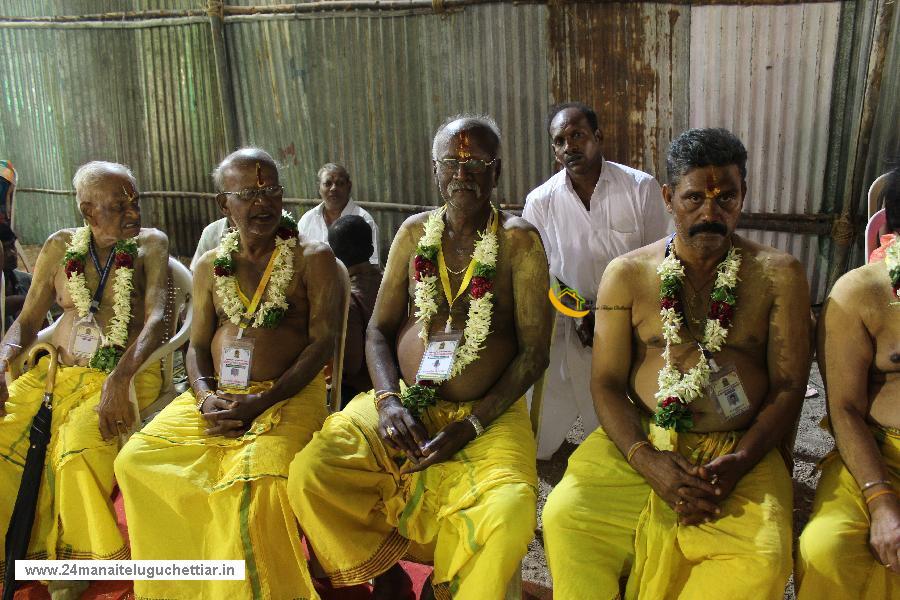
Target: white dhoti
x: 567, y: 389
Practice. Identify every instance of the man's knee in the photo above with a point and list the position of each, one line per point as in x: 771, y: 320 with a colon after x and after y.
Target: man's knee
x: 558, y: 509
x: 821, y: 545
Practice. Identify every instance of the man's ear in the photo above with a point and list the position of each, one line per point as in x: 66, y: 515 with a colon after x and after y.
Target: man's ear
x: 599, y: 135
x: 497, y: 172
x: 222, y: 201
x: 667, y: 197
x: 88, y: 211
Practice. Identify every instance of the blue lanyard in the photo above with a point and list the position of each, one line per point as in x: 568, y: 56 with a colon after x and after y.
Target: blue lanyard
x: 103, y: 273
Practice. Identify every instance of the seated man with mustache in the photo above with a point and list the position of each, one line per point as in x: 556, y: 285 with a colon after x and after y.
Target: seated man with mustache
x: 699, y: 378
x: 439, y: 460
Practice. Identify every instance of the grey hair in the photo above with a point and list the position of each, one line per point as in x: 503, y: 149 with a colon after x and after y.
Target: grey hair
x: 472, y: 121
x: 696, y: 148
x: 332, y: 167
x: 89, y: 175
x: 242, y: 155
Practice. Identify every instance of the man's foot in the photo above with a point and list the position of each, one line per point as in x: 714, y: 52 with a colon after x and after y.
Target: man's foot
x: 67, y: 589
x: 393, y: 584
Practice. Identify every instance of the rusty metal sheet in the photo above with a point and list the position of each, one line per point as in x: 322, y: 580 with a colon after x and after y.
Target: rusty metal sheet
x: 765, y: 73
x: 630, y: 62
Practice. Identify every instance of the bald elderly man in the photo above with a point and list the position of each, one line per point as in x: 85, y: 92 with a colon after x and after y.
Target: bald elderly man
x: 206, y: 479
x: 439, y: 459
x: 109, y: 277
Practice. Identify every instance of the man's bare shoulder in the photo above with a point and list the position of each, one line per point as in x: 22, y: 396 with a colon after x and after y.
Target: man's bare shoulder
x: 861, y: 286
x: 313, y: 250
x: 519, y: 232
x: 150, y: 237
x: 57, y: 242
x: 778, y: 265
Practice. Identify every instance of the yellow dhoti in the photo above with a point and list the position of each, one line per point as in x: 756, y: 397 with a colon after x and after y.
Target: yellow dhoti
x: 190, y: 496
x: 834, y: 560
x: 472, y: 515
x: 603, y: 520
x: 75, y: 516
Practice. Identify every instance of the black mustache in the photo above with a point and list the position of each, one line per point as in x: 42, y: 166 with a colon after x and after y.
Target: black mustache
x: 711, y: 227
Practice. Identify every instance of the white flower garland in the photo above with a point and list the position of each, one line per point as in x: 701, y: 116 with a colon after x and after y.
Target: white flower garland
x: 478, y: 319
x: 690, y: 386
x: 280, y: 279
x: 77, y: 250
x: 892, y: 262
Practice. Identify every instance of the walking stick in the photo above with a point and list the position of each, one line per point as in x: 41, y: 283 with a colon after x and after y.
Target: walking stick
x: 19, y: 532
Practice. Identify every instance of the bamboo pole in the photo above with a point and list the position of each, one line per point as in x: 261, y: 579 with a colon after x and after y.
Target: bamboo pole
x: 223, y: 73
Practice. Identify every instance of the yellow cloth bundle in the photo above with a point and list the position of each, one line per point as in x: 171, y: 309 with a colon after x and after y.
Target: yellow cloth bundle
x: 835, y: 560
x: 191, y: 496
x: 75, y: 516
x: 473, y: 515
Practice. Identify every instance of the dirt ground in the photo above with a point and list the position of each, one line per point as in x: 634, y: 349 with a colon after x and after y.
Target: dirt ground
x: 812, y: 444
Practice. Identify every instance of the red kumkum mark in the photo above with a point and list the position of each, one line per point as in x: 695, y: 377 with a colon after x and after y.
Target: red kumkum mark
x: 464, y: 151
x: 712, y: 186
x: 259, y: 180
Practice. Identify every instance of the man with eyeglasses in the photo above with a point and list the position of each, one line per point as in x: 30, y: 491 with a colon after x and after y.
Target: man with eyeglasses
x: 206, y: 478
x: 334, y: 189
x: 109, y: 277
x: 438, y: 461
x: 590, y: 212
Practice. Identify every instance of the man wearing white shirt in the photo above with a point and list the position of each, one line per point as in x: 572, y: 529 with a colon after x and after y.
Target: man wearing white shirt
x: 209, y: 239
x: 334, y: 189
x: 590, y: 212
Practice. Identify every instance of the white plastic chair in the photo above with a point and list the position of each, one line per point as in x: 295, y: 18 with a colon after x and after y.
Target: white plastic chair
x: 872, y: 229
x: 340, y: 342
x: 178, y: 300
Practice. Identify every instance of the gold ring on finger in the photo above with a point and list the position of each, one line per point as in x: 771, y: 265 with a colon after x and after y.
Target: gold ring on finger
x: 391, y: 431
x: 680, y: 502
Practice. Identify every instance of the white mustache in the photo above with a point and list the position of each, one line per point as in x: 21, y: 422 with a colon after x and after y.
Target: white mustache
x: 456, y: 186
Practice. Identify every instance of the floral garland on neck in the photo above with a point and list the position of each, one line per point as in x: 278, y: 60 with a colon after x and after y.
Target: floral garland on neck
x: 892, y: 262
x: 677, y: 390
x: 110, y: 351
x: 478, y: 321
x: 272, y: 310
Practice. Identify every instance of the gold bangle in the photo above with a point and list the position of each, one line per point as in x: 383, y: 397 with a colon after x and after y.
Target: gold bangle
x: 635, y: 447
x: 382, y: 396
x: 881, y: 493
x: 202, y: 397
x: 872, y: 484
x: 204, y: 378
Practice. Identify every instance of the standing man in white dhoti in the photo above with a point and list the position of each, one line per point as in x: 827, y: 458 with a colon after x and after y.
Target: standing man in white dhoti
x: 590, y: 212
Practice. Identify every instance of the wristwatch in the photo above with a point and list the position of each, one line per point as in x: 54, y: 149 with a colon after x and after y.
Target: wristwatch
x: 476, y: 424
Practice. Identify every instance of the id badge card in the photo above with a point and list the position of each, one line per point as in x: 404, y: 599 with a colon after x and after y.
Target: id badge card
x: 86, y: 337
x: 237, y: 356
x: 437, y: 362
x: 727, y: 391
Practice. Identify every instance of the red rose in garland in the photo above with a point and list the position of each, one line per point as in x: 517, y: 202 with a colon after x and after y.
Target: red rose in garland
x: 73, y: 266
x: 481, y: 286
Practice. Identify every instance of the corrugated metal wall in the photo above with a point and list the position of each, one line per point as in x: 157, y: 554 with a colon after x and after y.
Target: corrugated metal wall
x: 304, y: 91
x: 766, y: 75
x: 368, y: 88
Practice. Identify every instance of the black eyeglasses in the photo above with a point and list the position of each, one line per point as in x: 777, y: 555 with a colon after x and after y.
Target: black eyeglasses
x: 473, y: 165
x: 249, y: 194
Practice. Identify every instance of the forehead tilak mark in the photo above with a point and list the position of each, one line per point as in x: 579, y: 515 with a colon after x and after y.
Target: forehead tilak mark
x: 465, y: 147
x: 712, y: 186
x: 259, y: 180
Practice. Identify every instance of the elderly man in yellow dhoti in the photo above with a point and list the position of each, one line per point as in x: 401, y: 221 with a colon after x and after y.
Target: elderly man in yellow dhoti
x: 851, y: 545
x: 439, y: 460
x: 206, y: 479
x: 109, y: 276
x: 706, y: 334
